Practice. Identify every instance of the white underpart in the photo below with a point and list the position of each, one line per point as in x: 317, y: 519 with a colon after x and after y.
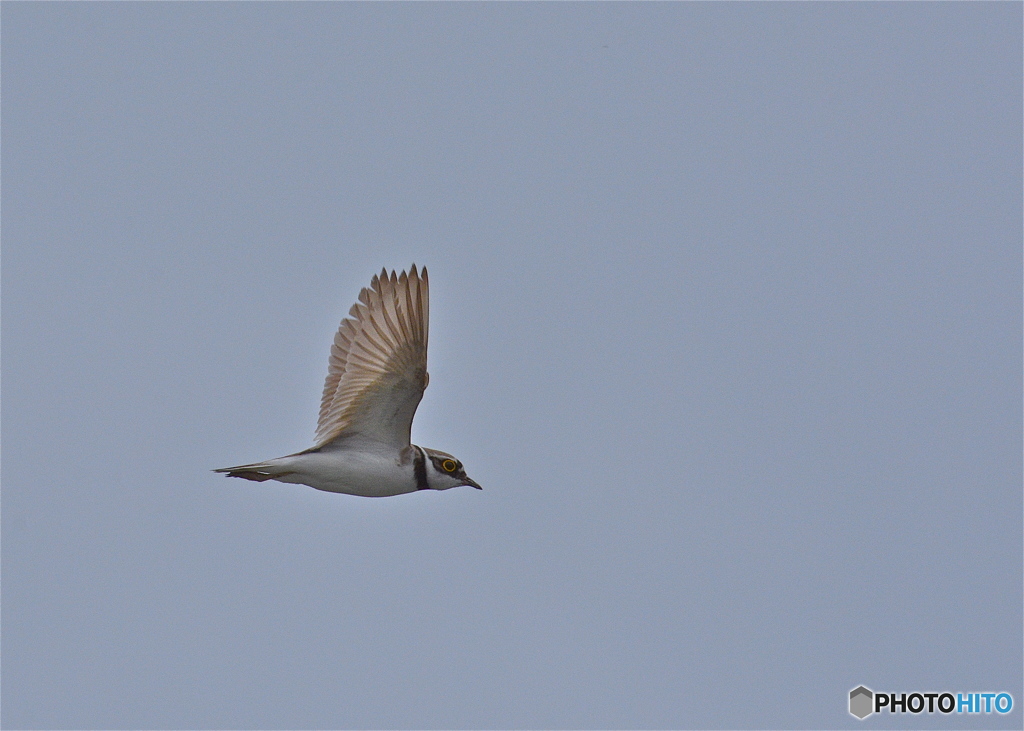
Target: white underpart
x: 351, y: 471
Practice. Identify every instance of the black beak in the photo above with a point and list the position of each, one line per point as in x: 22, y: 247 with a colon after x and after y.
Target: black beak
x: 471, y: 483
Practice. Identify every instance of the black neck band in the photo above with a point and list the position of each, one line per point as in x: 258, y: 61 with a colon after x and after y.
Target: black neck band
x: 419, y: 468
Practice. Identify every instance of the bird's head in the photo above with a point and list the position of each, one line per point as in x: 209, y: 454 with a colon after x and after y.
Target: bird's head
x: 444, y: 471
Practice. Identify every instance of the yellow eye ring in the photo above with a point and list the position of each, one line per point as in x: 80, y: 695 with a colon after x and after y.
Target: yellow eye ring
x: 449, y: 465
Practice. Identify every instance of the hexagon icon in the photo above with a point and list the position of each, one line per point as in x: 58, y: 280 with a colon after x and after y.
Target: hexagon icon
x: 860, y: 702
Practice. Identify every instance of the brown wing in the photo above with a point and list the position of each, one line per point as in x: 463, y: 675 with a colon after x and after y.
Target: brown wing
x: 378, y: 366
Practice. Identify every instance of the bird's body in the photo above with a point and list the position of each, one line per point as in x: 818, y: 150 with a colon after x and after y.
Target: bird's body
x: 376, y: 377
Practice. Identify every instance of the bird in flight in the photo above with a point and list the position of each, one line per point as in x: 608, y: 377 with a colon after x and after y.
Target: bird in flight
x: 375, y: 379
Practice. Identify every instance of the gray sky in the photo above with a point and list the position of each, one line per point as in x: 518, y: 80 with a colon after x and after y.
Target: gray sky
x: 726, y: 319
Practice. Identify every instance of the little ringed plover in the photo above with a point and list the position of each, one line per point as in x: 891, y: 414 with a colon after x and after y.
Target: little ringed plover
x: 375, y: 379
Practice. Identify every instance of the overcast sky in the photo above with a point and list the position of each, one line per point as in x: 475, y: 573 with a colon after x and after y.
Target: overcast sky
x: 726, y: 319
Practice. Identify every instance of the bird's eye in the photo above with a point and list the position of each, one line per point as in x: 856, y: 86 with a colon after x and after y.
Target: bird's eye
x: 449, y: 465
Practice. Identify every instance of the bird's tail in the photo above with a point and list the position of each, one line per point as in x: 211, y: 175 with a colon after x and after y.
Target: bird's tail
x: 257, y: 472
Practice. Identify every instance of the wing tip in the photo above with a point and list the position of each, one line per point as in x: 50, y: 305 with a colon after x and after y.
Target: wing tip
x: 417, y: 272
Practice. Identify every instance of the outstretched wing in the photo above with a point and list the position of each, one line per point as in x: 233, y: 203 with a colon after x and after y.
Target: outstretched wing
x: 378, y: 366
